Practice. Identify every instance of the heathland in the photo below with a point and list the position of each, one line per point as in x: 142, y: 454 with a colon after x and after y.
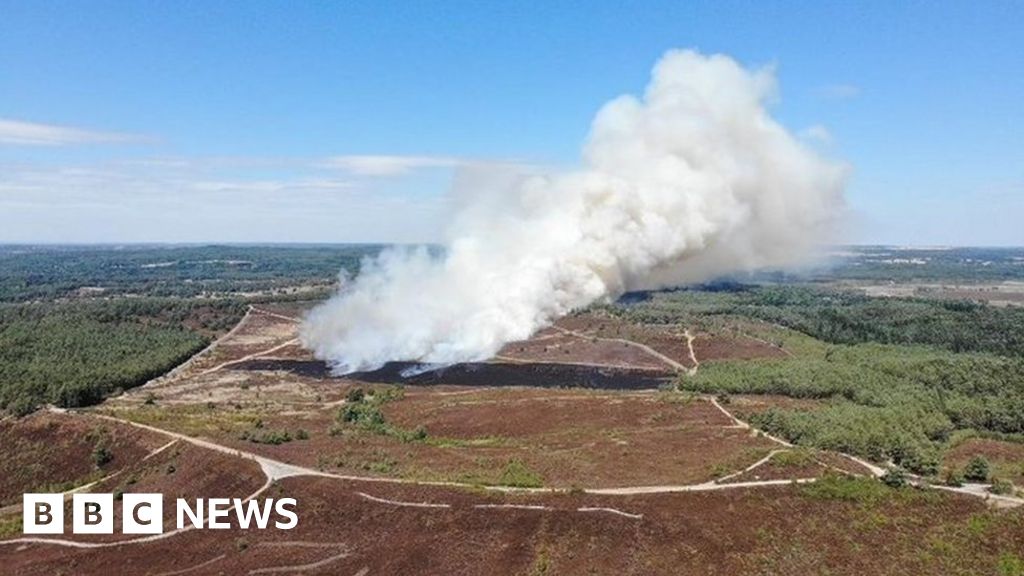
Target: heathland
x: 859, y: 419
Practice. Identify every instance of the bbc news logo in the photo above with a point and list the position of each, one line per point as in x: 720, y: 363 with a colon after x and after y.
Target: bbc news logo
x: 144, y: 513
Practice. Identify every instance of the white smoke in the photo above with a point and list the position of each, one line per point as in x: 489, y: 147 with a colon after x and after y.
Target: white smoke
x: 692, y: 181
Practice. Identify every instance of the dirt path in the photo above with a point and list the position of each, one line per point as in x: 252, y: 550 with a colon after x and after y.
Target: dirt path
x: 651, y: 351
x: 248, y: 357
x: 291, y: 319
x: 177, y: 370
x: 693, y: 357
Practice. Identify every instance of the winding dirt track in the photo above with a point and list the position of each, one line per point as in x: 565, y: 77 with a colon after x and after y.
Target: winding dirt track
x: 651, y: 351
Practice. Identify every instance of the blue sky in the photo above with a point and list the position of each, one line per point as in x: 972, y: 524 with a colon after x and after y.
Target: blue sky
x: 204, y: 121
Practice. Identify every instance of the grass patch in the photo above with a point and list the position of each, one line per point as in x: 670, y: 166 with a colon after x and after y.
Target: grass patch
x: 478, y: 442
x: 10, y: 527
x: 848, y: 489
x: 191, y: 420
x: 517, y: 474
x: 1011, y: 564
x: 793, y: 458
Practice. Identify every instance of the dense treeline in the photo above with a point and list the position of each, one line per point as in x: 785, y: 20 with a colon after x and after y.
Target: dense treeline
x: 896, y: 379
x: 47, y: 272
x: 850, y: 317
x: 882, y: 402
x: 74, y: 354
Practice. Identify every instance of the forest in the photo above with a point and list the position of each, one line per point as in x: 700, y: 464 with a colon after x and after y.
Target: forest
x: 79, y: 323
x: 47, y: 272
x: 847, y: 317
x: 893, y: 379
x: 76, y: 353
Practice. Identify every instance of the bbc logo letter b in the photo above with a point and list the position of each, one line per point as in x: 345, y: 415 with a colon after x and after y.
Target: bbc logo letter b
x: 42, y: 514
x: 92, y: 514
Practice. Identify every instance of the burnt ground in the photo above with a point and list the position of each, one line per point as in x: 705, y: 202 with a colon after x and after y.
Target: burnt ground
x: 491, y: 374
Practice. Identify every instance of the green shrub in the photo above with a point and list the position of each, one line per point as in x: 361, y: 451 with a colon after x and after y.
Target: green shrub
x: 101, y: 455
x: 977, y: 470
x: 363, y: 410
x: 1002, y: 487
x: 894, y: 478
x: 274, y: 437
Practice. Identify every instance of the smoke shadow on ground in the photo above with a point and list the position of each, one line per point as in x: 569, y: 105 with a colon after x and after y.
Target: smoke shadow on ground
x: 537, y: 375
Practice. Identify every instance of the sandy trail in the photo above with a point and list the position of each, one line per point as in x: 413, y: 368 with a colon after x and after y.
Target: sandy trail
x: 248, y: 357
x: 651, y: 351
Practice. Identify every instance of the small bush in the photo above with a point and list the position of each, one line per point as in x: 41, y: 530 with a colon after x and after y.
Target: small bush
x: 1002, y: 487
x: 355, y: 395
x: 894, y: 478
x: 417, y: 435
x: 101, y: 455
x: 977, y: 470
x: 274, y: 437
x: 301, y: 434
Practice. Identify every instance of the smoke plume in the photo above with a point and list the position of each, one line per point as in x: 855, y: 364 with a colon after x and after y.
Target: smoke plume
x: 691, y: 181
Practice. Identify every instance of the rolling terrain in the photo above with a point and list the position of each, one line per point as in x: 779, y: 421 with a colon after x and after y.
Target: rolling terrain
x: 459, y: 473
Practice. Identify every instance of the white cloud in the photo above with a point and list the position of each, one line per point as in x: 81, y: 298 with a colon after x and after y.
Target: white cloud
x: 197, y: 199
x: 383, y: 165
x: 816, y: 133
x: 838, y: 91
x: 267, y: 186
x: 18, y: 133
